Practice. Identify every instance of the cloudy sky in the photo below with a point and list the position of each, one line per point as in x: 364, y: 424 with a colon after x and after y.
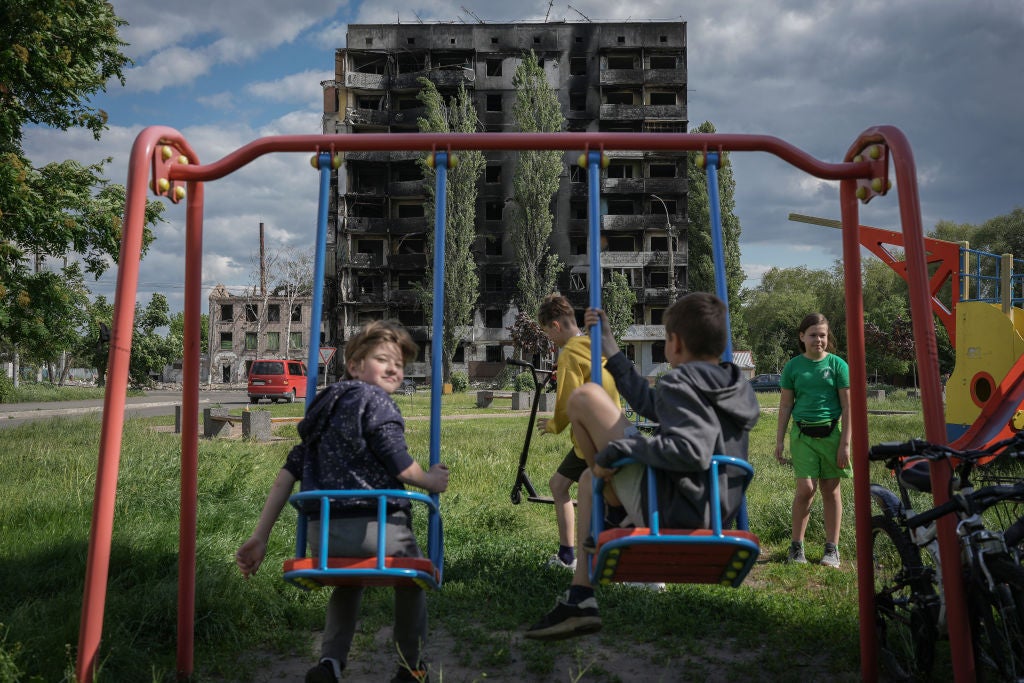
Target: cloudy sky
x: 815, y: 73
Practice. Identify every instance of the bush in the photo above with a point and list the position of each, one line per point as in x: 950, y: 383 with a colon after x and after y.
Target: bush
x: 6, y: 389
x: 524, y: 382
x: 460, y: 382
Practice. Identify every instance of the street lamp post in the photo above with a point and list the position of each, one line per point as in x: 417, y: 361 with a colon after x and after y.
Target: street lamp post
x: 671, y: 233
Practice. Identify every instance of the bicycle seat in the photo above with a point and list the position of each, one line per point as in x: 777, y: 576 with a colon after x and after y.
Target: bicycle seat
x: 914, y: 474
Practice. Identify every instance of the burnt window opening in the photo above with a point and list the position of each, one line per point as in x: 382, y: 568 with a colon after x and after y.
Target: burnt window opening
x: 494, y: 67
x: 297, y: 313
x: 620, y: 170
x: 493, y: 354
x: 227, y: 312
x: 656, y: 318
x: 578, y: 247
x: 621, y: 62
x: 493, y: 211
x: 669, y: 207
x: 407, y: 103
x: 367, y: 207
x: 662, y: 39
x: 410, y: 245
x: 578, y: 210
x: 660, y: 243
x: 404, y: 172
x: 659, y: 279
x: 226, y: 341
x: 621, y: 39
x: 371, y: 63
x: 579, y: 39
x: 621, y: 243
x: 492, y: 245
x: 621, y: 207
x: 410, y: 211
x: 273, y: 313
x: 492, y: 318
x: 663, y: 98
x: 370, y: 285
x: 493, y: 173
x: 252, y: 313
x: 410, y: 41
x: 372, y: 247
x: 460, y: 354
x: 410, y: 63
x: 578, y: 280
x: 494, y: 40
x: 662, y: 171
x: 577, y: 174
x: 494, y: 103
x: 577, y: 101
x: 619, y: 97
x: 663, y: 61
x: 577, y: 66
x: 369, y: 42
x: 369, y: 102
x: 536, y: 40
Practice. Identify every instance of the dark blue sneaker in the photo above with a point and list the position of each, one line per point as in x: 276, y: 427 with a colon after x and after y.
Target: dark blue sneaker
x: 321, y: 673
x: 567, y: 620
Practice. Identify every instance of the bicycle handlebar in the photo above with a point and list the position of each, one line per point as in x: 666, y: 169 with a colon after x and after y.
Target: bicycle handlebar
x: 1012, y: 446
x: 974, y: 502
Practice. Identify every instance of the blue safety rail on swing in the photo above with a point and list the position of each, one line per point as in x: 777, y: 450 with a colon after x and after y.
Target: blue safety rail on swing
x: 652, y: 554
x: 381, y: 570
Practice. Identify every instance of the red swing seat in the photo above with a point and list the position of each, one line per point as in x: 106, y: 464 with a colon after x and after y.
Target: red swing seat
x: 648, y: 555
x: 310, y: 573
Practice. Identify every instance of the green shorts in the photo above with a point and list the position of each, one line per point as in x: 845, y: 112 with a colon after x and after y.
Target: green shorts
x: 816, y: 458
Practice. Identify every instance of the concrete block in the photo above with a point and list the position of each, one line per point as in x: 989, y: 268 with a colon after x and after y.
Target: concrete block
x: 547, y: 402
x: 877, y: 394
x: 256, y: 425
x: 522, y: 400
x: 212, y: 427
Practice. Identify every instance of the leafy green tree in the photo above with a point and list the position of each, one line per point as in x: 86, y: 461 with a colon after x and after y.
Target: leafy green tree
x: 701, y: 273
x: 535, y: 182
x: 150, y: 351
x: 619, y: 301
x: 176, y: 332
x: 462, y: 284
x: 773, y: 311
x: 54, y: 56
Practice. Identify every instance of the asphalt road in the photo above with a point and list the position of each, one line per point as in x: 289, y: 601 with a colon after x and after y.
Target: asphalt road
x: 152, y: 404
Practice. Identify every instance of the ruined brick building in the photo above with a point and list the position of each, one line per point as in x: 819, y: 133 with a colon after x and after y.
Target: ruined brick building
x: 608, y: 77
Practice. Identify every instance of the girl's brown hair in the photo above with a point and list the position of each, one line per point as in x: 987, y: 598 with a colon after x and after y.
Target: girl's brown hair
x: 374, y: 334
x: 810, y: 320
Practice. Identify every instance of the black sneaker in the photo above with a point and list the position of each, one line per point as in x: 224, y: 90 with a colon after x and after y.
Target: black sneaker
x: 567, y: 620
x: 407, y: 675
x: 321, y: 673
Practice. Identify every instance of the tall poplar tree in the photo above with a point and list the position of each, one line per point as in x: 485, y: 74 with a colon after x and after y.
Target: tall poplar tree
x: 535, y: 182
x: 462, y: 284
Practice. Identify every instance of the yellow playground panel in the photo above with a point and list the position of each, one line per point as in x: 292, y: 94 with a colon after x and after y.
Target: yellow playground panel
x: 989, y: 348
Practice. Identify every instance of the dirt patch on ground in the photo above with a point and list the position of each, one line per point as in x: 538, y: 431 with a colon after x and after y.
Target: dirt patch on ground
x: 581, y: 660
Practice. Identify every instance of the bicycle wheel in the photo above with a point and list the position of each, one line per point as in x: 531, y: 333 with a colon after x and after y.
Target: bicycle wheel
x: 906, y: 603
x: 997, y: 620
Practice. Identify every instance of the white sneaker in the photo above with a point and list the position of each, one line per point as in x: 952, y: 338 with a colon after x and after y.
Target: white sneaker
x: 556, y: 561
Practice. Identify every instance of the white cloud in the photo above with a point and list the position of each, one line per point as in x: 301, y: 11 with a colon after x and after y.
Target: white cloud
x: 303, y: 86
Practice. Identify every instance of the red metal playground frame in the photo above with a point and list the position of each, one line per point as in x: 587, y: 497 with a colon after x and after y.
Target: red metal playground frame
x: 162, y: 155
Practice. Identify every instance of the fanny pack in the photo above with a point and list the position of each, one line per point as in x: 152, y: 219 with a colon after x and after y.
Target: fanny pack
x: 817, y: 431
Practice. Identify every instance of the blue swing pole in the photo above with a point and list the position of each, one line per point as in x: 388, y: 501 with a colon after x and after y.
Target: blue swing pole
x: 717, y: 246
x: 313, y: 362
x: 441, y: 163
x: 594, y: 257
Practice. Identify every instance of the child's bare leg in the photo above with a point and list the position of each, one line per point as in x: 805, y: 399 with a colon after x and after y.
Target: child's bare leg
x: 565, y: 515
x: 584, y: 505
x: 596, y: 419
x: 832, y: 505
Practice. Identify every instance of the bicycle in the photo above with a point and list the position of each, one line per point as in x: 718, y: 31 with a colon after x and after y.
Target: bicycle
x: 910, y: 610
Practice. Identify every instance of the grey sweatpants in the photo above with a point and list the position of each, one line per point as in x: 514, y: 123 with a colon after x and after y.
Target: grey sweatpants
x: 357, y: 537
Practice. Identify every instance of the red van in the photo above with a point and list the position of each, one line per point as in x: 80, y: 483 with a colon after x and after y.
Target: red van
x: 277, y: 380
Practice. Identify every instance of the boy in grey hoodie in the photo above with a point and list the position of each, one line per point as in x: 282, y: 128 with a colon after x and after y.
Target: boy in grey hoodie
x: 702, y: 406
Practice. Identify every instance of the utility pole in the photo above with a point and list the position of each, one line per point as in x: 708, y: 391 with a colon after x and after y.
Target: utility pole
x: 670, y: 231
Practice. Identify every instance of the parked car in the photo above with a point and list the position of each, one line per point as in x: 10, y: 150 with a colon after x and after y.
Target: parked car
x: 769, y: 382
x: 277, y: 380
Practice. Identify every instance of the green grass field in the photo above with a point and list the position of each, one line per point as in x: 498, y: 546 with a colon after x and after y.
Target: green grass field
x: 496, y: 583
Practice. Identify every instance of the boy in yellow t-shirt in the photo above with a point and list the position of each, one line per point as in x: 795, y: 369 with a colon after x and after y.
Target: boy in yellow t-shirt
x: 558, y: 320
